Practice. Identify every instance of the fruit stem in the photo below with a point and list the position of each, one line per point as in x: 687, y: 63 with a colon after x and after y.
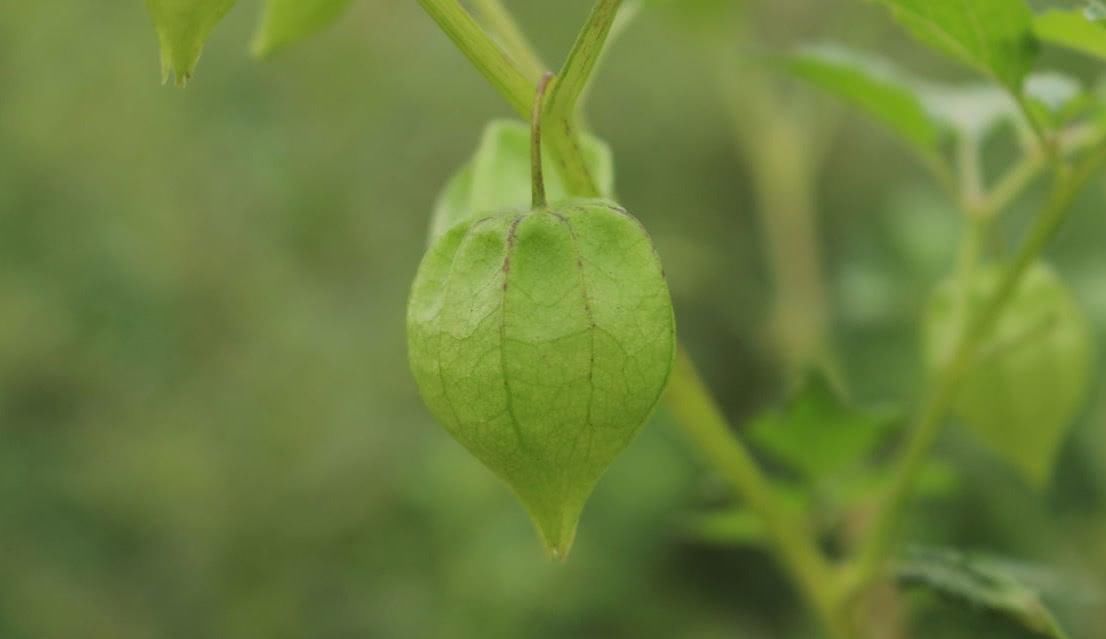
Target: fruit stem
x: 537, y: 181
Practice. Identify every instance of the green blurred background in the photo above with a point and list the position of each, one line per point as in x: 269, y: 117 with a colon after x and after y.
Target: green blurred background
x: 207, y: 425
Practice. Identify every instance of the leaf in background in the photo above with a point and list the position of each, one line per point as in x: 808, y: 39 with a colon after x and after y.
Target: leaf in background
x: 978, y: 110
x: 732, y: 527
x: 1074, y: 29
x: 972, y: 110
x: 937, y: 480
x: 739, y: 526
x: 498, y: 176
x: 1095, y: 11
x: 993, y: 36
x: 996, y: 586
x: 1054, y: 97
x: 182, y: 28
x: 1032, y: 371
x: 818, y: 434
x: 286, y: 21
x: 1053, y: 90
x: 820, y: 508
x: 871, y: 84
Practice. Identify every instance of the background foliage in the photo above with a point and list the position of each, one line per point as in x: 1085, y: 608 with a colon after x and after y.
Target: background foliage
x: 207, y: 427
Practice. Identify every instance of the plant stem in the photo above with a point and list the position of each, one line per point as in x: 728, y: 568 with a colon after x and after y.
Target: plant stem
x: 626, y: 14
x: 776, y: 149
x: 485, y: 55
x: 537, y: 182
x: 564, y: 100
x: 582, y: 59
x: 1011, y: 185
x: 939, y: 168
x: 928, y: 423
x: 501, y: 72
x: 499, y: 21
x: 970, y: 166
x: 691, y: 403
x: 1047, y: 143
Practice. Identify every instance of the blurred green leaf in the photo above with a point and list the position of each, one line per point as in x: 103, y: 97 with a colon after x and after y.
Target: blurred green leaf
x: 971, y: 110
x: 497, y: 177
x: 871, y: 84
x: 938, y: 480
x: 980, y: 109
x: 1054, y: 96
x: 817, y: 433
x: 1095, y: 10
x: 739, y: 526
x: 182, y: 28
x: 287, y: 21
x: 979, y: 582
x: 1032, y: 372
x: 730, y: 527
x: 821, y: 507
x: 1074, y: 29
x: 993, y: 36
x: 1053, y: 90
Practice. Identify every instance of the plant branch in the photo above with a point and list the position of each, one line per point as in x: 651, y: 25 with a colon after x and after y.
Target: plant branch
x: 694, y: 408
x: 928, y: 423
x: 571, y: 83
x: 1011, y: 185
x: 581, y: 61
x: 500, y: 22
x: 939, y: 168
x: 492, y: 62
x: 626, y: 14
x: 537, y: 180
x: 502, y: 72
x: 1043, y: 137
x: 776, y: 149
x: 970, y: 166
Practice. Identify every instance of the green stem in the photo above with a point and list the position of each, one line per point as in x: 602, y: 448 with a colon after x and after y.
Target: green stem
x: 1043, y: 138
x: 694, y: 408
x: 1011, y: 185
x: 939, y: 168
x: 582, y: 59
x: 502, y: 72
x: 626, y: 15
x: 499, y: 21
x: 878, y: 548
x: 970, y: 166
x: 537, y: 181
x: 492, y: 62
x: 784, y: 174
x: 1018, y: 178
x: 970, y: 253
x: 564, y: 100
